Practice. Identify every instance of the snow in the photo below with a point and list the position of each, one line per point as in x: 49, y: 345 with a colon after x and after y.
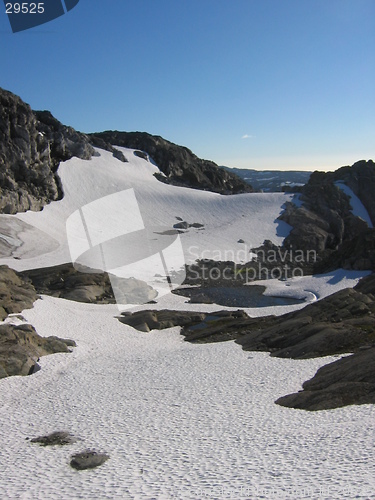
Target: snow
x: 179, y: 421
x: 226, y: 219
x: 358, y: 209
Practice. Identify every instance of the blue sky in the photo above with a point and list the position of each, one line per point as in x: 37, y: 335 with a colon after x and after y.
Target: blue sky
x: 267, y: 84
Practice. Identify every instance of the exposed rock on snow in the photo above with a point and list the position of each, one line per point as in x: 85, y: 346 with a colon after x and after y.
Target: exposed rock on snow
x: 60, y: 438
x: 66, y: 282
x: 21, y: 347
x: 350, y: 380
x: 16, y: 292
x: 326, y: 219
x: 340, y: 323
x: 216, y: 323
x: 88, y: 460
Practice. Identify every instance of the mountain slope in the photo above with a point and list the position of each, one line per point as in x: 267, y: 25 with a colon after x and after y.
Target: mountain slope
x: 179, y: 165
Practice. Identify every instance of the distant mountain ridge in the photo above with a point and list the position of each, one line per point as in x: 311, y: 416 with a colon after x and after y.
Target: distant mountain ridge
x: 272, y: 180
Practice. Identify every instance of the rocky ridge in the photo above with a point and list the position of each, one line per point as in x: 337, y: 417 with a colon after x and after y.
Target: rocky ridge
x: 179, y: 165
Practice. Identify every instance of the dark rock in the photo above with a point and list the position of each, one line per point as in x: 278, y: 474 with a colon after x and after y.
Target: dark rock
x: 16, y: 292
x: 66, y: 282
x: 88, y: 460
x: 60, y: 438
x: 21, y: 347
x: 360, y: 177
x: 32, y: 144
x: 178, y: 164
x: 324, y: 223
x: 348, y: 381
x: 181, y: 225
x: 356, y: 254
x: 102, y: 144
x: 87, y: 285
x: 119, y: 155
x: 141, y: 154
x: 196, y: 325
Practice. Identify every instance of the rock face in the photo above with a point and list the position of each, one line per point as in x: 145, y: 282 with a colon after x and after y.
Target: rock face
x: 21, y: 347
x: 350, y: 380
x: 325, y: 224
x: 32, y: 144
x: 360, y: 177
x: 180, y: 166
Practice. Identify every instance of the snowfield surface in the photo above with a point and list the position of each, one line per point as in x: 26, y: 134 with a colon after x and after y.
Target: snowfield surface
x: 179, y: 421
x: 227, y: 219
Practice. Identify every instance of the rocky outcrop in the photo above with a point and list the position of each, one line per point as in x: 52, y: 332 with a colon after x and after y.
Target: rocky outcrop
x: 21, y: 347
x: 357, y: 254
x: 350, y: 380
x: 324, y: 221
x: 66, y: 282
x: 360, y: 177
x: 60, y: 438
x: 85, y: 285
x: 16, y: 292
x: 215, y: 325
x: 179, y: 165
x: 341, y: 323
x: 32, y: 144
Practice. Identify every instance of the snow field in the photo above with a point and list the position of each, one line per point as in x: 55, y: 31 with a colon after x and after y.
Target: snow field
x: 178, y: 420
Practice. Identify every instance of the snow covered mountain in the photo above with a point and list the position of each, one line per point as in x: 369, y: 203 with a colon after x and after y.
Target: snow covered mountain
x: 177, y: 419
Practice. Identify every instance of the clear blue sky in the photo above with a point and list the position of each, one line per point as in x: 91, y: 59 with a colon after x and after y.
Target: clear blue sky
x: 262, y: 84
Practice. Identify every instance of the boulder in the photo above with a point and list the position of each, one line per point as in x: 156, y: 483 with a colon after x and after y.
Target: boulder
x: 16, y: 292
x: 21, y: 347
x: 88, y: 459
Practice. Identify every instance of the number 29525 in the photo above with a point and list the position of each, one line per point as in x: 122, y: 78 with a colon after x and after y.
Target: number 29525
x: 24, y: 8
